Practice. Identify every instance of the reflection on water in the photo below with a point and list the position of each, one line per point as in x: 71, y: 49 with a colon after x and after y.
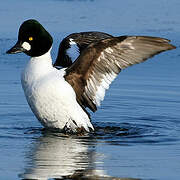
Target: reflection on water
x: 60, y: 157
x: 54, y: 156
x: 57, y: 156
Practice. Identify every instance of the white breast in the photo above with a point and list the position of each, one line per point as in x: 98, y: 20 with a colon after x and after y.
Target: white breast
x: 50, y: 97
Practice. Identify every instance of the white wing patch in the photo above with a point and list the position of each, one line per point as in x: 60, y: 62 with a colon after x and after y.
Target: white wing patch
x: 73, y: 51
x: 109, y: 50
x: 104, y: 85
x: 98, y: 83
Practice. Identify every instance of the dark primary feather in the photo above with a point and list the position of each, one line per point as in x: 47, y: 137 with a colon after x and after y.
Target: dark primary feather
x: 82, y: 39
x: 94, y: 70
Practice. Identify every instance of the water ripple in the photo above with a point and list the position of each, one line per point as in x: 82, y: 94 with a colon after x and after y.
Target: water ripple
x: 151, y: 131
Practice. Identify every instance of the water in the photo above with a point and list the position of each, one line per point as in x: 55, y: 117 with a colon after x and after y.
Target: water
x: 138, y: 125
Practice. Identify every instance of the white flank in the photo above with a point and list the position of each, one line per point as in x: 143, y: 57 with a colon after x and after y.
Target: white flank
x: 51, y: 98
x: 26, y: 46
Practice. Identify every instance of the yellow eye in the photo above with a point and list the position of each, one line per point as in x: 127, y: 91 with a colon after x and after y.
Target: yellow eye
x: 30, y: 38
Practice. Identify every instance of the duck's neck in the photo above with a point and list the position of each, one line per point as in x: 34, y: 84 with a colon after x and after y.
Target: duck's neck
x: 44, y: 59
x: 37, y: 67
x: 43, y: 62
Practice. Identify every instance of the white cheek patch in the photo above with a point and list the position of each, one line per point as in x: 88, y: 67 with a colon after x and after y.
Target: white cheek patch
x: 26, y: 46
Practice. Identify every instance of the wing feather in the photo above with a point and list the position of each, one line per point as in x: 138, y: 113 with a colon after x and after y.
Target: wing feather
x: 99, y: 64
x: 82, y: 40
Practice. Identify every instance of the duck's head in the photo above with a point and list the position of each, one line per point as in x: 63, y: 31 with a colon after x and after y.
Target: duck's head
x: 33, y: 39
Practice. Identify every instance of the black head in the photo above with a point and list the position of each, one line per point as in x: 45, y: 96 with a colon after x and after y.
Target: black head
x: 33, y: 39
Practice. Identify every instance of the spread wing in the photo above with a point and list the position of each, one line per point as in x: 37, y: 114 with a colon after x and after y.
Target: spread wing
x: 94, y: 70
x: 76, y: 43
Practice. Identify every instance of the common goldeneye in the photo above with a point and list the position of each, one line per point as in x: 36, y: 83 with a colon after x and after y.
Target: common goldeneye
x: 58, y: 97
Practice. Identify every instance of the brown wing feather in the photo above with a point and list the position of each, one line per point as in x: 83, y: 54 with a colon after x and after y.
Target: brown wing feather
x: 91, y: 74
x: 82, y: 39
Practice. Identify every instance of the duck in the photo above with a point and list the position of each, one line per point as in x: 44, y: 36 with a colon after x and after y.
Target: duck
x: 59, y: 97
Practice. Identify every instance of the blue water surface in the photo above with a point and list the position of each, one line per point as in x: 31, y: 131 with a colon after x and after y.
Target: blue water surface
x: 138, y: 125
